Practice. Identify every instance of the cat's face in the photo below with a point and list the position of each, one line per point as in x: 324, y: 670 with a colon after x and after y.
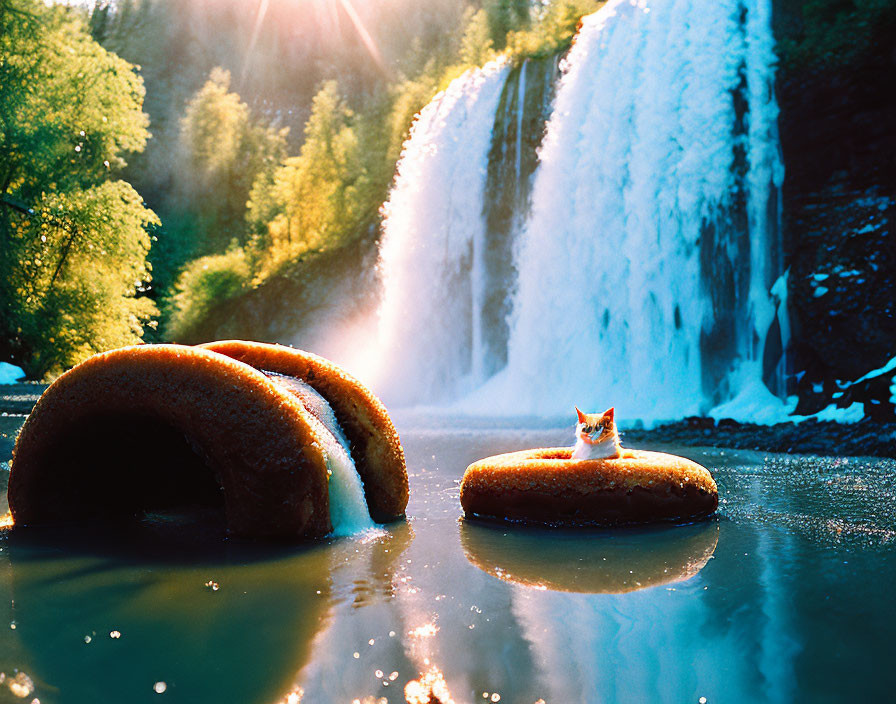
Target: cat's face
x: 596, y: 428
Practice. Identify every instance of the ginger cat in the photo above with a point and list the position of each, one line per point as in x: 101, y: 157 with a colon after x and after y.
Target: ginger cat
x: 596, y: 436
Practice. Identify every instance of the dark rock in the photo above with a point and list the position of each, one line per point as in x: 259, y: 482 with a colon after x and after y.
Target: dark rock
x: 837, y: 94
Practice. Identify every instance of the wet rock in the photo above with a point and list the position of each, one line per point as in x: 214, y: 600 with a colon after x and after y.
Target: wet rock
x: 837, y: 95
x: 867, y: 438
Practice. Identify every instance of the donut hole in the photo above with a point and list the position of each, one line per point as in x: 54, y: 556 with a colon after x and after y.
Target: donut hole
x: 128, y: 467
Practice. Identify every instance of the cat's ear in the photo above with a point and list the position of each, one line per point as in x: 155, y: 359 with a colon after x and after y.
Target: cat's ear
x: 580, y: 415
x: 610, y: 413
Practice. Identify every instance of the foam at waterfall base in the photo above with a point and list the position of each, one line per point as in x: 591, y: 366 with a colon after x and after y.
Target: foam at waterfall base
x: 754, y: 403
x: 490, y: 407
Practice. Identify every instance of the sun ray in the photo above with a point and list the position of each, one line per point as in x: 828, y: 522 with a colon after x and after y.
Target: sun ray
x: 256, y: 29
x: 364, y: 34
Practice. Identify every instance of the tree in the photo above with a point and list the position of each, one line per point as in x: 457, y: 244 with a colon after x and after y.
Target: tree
x: 315, y: 196
x: 226, y: 152
x: 553, y: 28
x: 73, y: 241
x: 477, y: 45
x: 204, y: 282
x: 506, y: 16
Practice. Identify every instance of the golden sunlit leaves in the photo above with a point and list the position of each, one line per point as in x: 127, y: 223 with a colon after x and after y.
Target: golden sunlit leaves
x: 70, y: 110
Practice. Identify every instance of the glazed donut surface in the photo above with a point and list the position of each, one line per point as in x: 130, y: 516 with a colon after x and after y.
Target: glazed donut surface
x: 159, y: 427
x: 545, y: 486
x: 137, y: 426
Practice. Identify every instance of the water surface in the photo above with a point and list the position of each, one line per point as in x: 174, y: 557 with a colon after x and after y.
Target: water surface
x: 785, y: 596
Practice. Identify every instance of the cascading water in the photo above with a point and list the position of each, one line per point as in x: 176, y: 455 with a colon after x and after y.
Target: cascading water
x: 458, y: 204
x: 432, y: 219
x: 642, y: 274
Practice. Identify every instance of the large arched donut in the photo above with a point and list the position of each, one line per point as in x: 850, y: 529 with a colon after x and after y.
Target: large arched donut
x: 375, y: 447
x: 546, y: 486
x: 151, y: 425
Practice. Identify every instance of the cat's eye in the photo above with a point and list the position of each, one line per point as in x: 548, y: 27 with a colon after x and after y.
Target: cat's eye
x: 587, y: 428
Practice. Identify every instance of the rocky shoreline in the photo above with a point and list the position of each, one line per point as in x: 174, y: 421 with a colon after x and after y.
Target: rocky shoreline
x: 868, y: 438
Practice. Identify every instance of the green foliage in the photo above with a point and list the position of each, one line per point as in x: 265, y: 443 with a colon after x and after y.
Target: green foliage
x: 314, y: 197
x: 69, y: 109
x: 202, y: 284
x: 831, y: 33
x: 74, y: 274
x: 505, y: 16
x: 214, y: 126
x: 477, y: 46
x: 226, y: 152
x: 553, y: 29
x: 73, y: 242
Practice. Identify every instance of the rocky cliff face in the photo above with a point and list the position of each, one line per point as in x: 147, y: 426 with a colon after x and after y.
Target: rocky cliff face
x: 836, y: 88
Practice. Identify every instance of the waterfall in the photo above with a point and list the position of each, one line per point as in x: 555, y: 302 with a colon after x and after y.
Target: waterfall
x: 637, y: 269
x: 432, y: 219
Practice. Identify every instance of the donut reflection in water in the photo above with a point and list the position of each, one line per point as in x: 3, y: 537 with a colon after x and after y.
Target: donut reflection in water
x: 598, y: 562
x: 107, y: 617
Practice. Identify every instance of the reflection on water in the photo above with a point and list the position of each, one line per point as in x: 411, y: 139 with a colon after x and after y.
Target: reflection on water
x: 786, y: 596
x: 116, y: 627
x: 601, y: 562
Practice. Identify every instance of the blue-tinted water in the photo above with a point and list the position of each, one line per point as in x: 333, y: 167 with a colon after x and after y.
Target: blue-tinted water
x: 786, y: 596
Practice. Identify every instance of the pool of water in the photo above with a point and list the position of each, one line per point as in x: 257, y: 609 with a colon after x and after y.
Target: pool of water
x: 786, y: 595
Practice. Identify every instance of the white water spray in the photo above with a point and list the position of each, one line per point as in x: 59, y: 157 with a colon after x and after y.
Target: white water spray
x: 433, y: 217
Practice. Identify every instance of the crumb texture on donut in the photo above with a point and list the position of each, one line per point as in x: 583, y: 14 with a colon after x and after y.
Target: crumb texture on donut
x: 375, y: 446
x: 158, y: 425
x: 546, y: 486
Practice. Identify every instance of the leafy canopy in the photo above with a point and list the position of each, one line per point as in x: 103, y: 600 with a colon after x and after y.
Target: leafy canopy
x: 73, y: 241
x: 312, y: 198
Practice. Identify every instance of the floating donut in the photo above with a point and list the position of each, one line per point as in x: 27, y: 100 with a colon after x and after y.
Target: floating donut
x: 545, y: 486
x: 157, y: 426
x: 561, y: 560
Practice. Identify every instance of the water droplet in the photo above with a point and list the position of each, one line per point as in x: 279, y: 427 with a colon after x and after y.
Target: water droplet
x: 159, y: 687
x: 115, y: 634
x: 378, y: 674
x: 393, y: 676
x: 356, y: 655
x: 87, y: 639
